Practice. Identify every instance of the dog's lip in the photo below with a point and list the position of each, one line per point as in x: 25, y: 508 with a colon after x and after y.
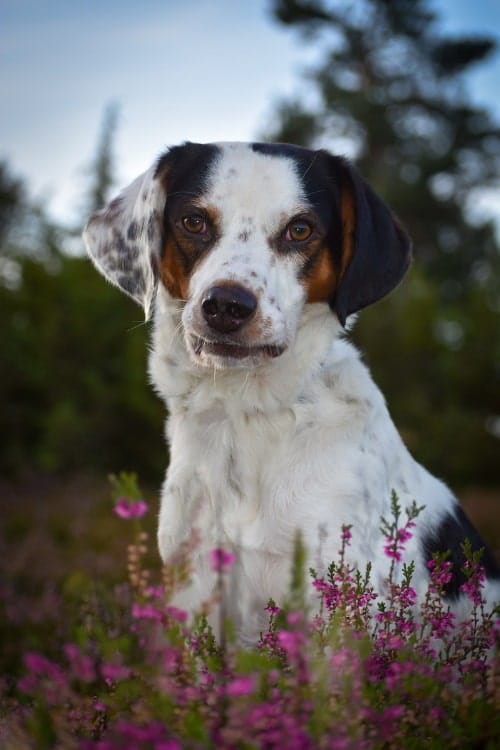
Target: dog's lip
x: 235, y: 351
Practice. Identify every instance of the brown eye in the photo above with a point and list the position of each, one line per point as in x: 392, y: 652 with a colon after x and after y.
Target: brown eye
x: 298, y: 231
x: 194, y: 224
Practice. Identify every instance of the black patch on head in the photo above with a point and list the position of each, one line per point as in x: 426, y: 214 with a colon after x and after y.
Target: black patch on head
x: 185, y: 168
x: 244, y: 236
x: 320, y: 187
x: 452, y: 532
x: 184, y: 172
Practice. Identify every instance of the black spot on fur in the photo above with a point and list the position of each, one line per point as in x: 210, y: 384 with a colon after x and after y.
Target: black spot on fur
x: 244, y: 236
x: 152, y: 227
x: 114, y: 208
x: 452, y: 532
x: 133, y: 283
x: 133, y: 231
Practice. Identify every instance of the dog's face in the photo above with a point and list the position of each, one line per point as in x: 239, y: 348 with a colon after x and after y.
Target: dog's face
x: 245, y: 235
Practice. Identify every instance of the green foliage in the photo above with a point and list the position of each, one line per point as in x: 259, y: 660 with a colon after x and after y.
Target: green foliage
x: 73, y: 374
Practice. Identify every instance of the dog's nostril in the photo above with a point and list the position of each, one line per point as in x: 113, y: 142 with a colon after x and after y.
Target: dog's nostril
x: 227, y: 308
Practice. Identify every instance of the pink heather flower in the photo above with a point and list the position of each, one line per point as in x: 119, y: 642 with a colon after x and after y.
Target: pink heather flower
x: 395, y: 546
x: 346, y: 534
x: 407, y: 596
x: 36, y: 663
x: 81, y: 666
x: 241, y: 686
x: 145, y: 612
x: 392, y: 552
x: 441, y: 574
x: 441, y: 623
x: 114, y: 672
x: 39, y: 666
x: 472, y: 587
x: 221, y: 560
x: 272, y: 609
x: 290, y: 642
x: 155, y: 592
x: 128, y: 509
x: 294, y: 618
x: 340, y: 659
x: 404, y: 535
x: 179, y: 615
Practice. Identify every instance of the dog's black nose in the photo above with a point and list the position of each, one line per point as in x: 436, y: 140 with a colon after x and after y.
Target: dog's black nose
x: 227, y: 308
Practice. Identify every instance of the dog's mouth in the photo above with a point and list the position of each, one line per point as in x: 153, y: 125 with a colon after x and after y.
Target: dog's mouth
x: 235, y: 351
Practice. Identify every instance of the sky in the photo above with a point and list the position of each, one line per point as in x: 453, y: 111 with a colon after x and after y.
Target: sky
x: 202, y: 70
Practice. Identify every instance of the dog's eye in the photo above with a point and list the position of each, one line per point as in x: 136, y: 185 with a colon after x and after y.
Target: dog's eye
x: 298, y: 231
x: 194, y: 224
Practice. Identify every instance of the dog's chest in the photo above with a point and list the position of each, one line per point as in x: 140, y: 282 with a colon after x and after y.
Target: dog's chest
x: 241, y: 460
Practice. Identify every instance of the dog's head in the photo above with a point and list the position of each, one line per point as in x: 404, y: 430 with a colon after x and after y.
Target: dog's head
x: 245, y: 235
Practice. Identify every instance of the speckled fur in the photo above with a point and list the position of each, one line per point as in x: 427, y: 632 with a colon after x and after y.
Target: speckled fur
x: 263, y: 447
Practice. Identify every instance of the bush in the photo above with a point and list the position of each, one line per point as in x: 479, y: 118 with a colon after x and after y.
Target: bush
x: 365, y: 671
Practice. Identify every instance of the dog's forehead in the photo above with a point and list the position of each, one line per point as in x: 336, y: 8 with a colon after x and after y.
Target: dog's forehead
x: 245, y: 182
x: 265, y: 181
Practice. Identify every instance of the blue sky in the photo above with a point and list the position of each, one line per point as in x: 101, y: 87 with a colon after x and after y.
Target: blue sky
x: 192, y: 69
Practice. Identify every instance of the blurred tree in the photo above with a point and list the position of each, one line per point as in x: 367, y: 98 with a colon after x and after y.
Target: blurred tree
x: 11, y: 201
x: 73, y: 366
x: 102, y: 169
x: 389, y: 88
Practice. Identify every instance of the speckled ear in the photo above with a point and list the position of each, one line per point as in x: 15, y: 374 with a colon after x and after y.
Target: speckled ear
x: 124, y: 238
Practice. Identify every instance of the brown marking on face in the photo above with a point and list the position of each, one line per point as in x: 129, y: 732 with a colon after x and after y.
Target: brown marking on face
x: 348, y: 217
x: 172, y: 270
x: 320, y: 283
x: 182, y: 250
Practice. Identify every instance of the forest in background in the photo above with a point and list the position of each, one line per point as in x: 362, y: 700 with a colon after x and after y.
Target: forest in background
x: 389, y: 87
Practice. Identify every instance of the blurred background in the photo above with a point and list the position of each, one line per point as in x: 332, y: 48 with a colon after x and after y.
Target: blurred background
x: 93, y: 91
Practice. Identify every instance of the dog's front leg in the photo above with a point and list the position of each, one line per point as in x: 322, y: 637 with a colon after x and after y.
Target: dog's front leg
x: 181, y: 505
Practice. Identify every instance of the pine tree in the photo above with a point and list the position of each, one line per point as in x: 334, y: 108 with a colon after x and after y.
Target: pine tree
x: 102, y: 170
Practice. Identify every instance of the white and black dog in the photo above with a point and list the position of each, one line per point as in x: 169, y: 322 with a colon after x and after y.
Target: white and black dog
x: 253, y: 257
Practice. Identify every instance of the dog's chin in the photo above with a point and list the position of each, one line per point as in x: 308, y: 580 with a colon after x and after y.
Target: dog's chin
x: 225, y: 356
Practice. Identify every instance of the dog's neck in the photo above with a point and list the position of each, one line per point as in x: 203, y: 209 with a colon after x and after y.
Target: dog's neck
x: 270, y: 387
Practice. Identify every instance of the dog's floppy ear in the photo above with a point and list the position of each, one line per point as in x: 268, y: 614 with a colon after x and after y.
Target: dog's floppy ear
x: 376, y: 251
x: 124, y: 238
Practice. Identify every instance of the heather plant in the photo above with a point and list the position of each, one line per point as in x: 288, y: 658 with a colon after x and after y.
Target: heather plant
x: 340, y: 665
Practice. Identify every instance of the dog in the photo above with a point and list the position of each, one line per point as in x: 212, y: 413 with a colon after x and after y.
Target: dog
x: 254, y: 258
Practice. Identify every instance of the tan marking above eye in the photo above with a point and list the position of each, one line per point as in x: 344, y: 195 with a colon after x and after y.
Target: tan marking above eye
x: 194, y: 224
x: 298, y: 231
